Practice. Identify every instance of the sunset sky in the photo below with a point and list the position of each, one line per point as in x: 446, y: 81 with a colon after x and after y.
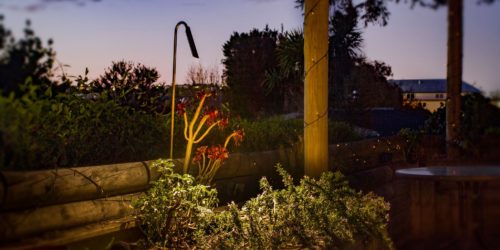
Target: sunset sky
x: 92, y: 34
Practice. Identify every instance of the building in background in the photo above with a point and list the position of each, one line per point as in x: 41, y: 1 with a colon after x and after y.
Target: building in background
x: 428, y: 93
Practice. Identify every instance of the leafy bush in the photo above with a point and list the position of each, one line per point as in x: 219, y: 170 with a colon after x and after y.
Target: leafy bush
x: 492, y: 131
x: 477, y: 115
x: 270, y: 133
x: 130, y: 85
x: 173, y: 207
x: 67, y: 130
x: 411, y: 139
x: 341, y: 132
x: 276, y: 132
x: 324, y: 213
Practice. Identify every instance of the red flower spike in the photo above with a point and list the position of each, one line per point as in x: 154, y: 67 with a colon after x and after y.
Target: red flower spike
x: 200, y: 151
x: 223, y: 122
x: 238, y: 137
x: 212, y: 116
x: 217, y: 152
x: 181, y: 108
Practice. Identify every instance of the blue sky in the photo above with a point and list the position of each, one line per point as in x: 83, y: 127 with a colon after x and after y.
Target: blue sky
x: 94, y: 33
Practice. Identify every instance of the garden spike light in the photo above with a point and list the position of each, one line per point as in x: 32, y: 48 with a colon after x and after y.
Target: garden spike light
x: 194, y: 52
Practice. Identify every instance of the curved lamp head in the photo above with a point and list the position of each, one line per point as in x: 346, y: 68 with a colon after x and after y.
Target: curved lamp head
x: 189, y: 35
x: 191, y: 42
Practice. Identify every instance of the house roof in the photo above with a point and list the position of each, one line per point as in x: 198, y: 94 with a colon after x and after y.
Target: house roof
x: 430, y: 86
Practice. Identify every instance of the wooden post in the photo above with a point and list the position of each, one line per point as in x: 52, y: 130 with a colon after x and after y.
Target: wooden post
x: 454, y: 76
x: 316, y: 87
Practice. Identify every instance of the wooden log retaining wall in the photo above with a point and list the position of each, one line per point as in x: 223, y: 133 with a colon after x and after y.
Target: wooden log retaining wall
x: 36, y: 204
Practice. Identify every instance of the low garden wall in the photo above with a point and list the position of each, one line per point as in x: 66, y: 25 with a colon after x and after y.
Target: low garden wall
x: 64, y: 206
x: 36, y: 204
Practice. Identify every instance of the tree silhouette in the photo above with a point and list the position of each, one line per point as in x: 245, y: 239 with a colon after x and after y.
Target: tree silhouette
x: 131, y: 85
x: 286, y: 81
x: 27, y: 59
x: 356, y: 82
x: 247, y: 58
x: 370, y: 11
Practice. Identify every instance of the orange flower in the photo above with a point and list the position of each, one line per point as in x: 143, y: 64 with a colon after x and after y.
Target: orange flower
x: 200, y: 151
x: 218, y: 152
x: 212, y: 116
x: 223, y: 122
x: 181, y: 108
x: 238, y: 136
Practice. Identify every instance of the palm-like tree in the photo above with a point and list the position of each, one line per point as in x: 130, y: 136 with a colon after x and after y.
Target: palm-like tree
x: 287, y: 78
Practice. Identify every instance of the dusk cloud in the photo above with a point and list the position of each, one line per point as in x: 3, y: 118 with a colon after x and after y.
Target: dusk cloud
x: 42, y: 4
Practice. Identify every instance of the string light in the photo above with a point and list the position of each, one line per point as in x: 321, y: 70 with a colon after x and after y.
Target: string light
x: 315, y: 64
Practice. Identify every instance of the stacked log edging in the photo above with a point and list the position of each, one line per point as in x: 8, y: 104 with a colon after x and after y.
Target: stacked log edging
x: 36, y: 204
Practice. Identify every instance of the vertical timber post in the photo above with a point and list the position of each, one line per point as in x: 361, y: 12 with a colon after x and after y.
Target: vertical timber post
x: 454, y: 76
x: 316, y: 87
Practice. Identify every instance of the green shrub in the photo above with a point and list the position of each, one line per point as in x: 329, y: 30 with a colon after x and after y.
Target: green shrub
x: 341, y: 132
x: 411, y: 139
x: 492, y: 131
x: 324, y: 213
x: 269, y: 134
x: 477, y: 115
x: 173, y: 207
x: 130, y: 85
x: 68, y: 130
x: 275, y: 132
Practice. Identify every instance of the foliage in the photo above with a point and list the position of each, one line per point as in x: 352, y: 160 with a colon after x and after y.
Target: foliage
x: 286, y: 80
x: 68, y: 130
x: 27, y: 58
x: 355, y: 83
x: 477, y: 114
x: 173, y: 207
x: 492, y: 131
x: 434, y: 4
x: 411, y: 139
x: 276, y: 132
x: 247, y: 58
x: 270, y: 133
x: 324, y: 213
x: 341, y: 132
x: 370, y: 11
x: 130, y: 85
